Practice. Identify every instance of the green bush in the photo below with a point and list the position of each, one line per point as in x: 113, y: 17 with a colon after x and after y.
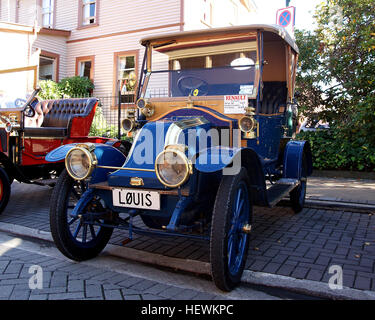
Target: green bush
x: 76, y: 87
x: 333, y: 150
x: 49, y: 90
x: 73, y: 87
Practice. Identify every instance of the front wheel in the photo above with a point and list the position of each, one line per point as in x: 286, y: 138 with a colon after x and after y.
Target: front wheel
x: 231, y: 220
x: 298, y: 195
x: 4, y: 189
x: 75, y: 237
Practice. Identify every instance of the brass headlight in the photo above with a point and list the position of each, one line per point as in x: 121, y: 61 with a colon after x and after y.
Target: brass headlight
x: 246, y: 124
x: 172, y: 168
x: 80, y: 163
x: 128, y: 124
x: 145, y: 107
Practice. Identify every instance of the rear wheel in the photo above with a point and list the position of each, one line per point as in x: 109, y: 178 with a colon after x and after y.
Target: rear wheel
x: 75, y: 237
x: 298, y: 195
x: 229, y: 242
x: 4, y: 189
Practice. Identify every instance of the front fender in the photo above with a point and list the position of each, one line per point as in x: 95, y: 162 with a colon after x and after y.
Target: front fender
x: 230, y: 160
x: 293, y: 155
x: 106, y: 155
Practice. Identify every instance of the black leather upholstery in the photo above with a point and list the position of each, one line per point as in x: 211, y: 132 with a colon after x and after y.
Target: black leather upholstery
x: 56, y: 116
x: 274, y: 96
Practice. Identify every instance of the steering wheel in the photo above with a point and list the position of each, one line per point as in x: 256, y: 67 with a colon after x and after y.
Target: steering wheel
x: 28, y: 109
x: 192, y: 85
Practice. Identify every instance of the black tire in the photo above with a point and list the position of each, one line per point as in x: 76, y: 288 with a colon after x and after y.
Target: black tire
x: 298, y: 195
x: 4, y: 189
x: 220, y: 228
x: 70, y: 246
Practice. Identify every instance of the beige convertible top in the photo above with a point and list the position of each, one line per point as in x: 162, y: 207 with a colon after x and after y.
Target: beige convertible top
x: 227, y: 31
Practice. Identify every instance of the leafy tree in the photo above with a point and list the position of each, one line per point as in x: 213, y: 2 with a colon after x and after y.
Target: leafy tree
x: 337, y: 68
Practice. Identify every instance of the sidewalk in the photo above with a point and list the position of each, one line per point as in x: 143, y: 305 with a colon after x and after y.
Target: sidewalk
x: 344, y: 190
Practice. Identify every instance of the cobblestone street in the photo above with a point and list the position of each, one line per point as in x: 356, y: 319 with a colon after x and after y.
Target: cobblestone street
x: 301, y: 246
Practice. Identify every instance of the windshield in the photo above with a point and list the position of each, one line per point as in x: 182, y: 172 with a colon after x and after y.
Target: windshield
x: 215, y: 70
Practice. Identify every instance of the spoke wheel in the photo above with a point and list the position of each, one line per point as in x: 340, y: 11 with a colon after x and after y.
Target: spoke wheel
x: 298, y: 195
x: 229, y: 243
x: 76, y: 237
x: 4, y: 189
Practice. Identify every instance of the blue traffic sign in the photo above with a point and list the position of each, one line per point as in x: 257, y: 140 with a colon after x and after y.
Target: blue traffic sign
x: 285, y: 18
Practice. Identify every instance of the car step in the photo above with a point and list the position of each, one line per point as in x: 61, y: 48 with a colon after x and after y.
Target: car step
x: 280, y: 189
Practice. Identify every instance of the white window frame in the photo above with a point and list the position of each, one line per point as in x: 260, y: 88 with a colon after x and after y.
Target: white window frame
x: 86, y: 20
x: 48, y: 11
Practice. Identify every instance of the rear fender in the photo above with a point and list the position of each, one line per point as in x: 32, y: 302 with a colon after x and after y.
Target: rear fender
x: 293, y: 156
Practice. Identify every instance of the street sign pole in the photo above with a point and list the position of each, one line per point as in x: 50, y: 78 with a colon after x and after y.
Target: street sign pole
x: 287, y: 3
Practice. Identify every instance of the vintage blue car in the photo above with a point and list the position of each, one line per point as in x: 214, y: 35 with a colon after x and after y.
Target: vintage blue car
x: 213, y: 133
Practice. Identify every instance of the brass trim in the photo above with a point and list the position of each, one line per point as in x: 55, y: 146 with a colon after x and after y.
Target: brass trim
x: 188, y: 167
x: 135, y: 181
x: 89, y: 154
x: 122, y: 168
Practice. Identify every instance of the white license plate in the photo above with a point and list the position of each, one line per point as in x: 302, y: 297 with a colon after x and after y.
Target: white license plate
x: 131, y: 198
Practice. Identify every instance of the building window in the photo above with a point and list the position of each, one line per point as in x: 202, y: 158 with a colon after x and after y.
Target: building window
x: 49, y: 66
x: 126, y: 64
x: 89, y: 10
x: 47, y: 13
x: 85, y: 67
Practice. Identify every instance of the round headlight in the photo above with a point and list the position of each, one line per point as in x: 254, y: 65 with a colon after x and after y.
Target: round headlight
x: 79, y: 163
x: 246, y: 124
x: 172, y: 168
x: 141, y: 103
x: 128, y: 124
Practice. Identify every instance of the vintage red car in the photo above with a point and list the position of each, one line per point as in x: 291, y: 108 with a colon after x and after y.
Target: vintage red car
x: 30, y: 132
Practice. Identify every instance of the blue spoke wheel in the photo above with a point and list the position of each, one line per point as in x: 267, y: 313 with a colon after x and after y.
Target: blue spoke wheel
x: 77, y: 238
x: 298, y: 195
x: 231, y: 218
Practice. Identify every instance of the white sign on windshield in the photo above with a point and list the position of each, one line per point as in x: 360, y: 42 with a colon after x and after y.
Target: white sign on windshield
x: 235, y: 104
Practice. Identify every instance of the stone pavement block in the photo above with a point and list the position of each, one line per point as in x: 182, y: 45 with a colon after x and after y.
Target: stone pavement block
x: 170, y: 292
x: 113, y: 295
x: 59, y: 279
x: 315, y: 275
x: 186, y: 294
x: 75, y: 285
x: 285, y: 270
x: 93, y: 291
x: 66, y: 296
x: 13, y: 267
x: 5, y: 291
x: 143, y: 285
x: 20, y: 295
x: 204, y: 296
x: 156, y: 289
x: 38, y: 297
x: 271, y: 267
x: 149, y: 296
x: 133, y: 297
x: 300, y: 272
x: 47, y: 290
x: 362, y: 283
x: 127, y: 283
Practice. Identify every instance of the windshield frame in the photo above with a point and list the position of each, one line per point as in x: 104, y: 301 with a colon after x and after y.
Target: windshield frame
x: 147, y: 71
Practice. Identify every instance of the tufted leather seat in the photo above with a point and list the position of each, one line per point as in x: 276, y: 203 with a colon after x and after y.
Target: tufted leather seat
x: 274, y: 96
x: 53, y: 118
